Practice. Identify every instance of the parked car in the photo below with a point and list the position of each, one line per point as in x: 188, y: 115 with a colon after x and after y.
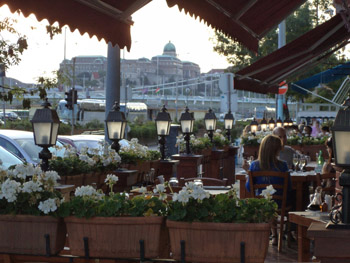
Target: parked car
x: 21, y: 143
x: 8, y: 159
x: 86, y: 140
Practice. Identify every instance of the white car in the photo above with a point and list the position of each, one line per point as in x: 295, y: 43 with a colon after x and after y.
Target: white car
x: 8, y: 159
x: 21, y: 144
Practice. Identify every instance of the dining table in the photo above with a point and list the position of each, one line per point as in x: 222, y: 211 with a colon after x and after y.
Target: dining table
x: 300, y: 183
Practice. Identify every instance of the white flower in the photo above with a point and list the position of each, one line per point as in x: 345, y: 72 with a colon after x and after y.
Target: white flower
x: 9, y: 190
x: 87, y: 190
x: 111, y: 178
x: 143, y: 190
x: 160, y: 188
x: 199, y: 194
x: 48, y: 206
x: 190, y: 185
x: 268, y: 192
x: 30, y: 187
x: 51, y: 176
x: 183, y: 197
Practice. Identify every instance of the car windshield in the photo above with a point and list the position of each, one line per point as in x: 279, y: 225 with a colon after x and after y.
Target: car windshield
x: 8, y: 159
x: 33, y: 150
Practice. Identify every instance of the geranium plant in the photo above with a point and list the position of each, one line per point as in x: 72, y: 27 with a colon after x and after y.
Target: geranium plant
x: 196, y: 144
x: 194, y: 204
x: 254, y: 139
x: 28, y: 190
x: 133, y: 152
x: 89, y: 202
x: 219, y: 140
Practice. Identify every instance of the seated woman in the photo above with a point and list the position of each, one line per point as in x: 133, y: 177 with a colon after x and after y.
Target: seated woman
x: 269, y: 150
x: 328, y: 166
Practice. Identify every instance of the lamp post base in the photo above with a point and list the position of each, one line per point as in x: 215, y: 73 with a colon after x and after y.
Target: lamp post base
x: 45, y: 155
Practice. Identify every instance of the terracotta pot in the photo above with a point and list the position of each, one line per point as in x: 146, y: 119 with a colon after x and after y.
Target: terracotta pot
x: 25, y: 234
x: 219, y: 242
x: 115, y: 236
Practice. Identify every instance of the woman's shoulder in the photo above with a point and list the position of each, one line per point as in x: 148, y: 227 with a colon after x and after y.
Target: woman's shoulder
x: 254, y: 166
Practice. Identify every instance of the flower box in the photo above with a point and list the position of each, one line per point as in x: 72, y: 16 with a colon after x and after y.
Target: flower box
x: 219, y: 242
x: 115, y: 236
x: 25, y: 234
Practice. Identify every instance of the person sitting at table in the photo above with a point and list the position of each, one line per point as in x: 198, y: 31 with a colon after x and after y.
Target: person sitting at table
x: 287, y: 152
x: 268, y: 160
x: 307, y: 131
x: 269, y: 150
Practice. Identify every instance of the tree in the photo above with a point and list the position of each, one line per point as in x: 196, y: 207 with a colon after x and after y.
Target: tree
x: 307, y: 17
x: 12, y: 46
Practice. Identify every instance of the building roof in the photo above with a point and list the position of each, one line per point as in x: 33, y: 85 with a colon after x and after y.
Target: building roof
x: 169, y: 47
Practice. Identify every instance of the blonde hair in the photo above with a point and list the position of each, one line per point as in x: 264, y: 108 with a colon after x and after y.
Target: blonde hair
x: 269, y: 149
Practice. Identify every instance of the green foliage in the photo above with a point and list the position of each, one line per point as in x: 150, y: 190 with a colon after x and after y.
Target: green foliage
x: 71, y: 165
x: 24, y: 125
x: 143, y: 131
x: 153, y: 155
x: 94, y: 124
x: 223, y: 208
x: 113, y: 205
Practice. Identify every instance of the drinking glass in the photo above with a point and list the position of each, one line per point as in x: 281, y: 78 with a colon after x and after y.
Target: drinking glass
x: 302, y: 163
x: 295, y: 161
x: 250, y: 160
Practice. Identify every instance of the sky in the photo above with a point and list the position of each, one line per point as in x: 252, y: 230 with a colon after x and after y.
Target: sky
x: 154, y: 26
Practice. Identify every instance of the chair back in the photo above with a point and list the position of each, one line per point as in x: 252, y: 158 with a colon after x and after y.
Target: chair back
x: 282, y: 199
x: 207, y: 181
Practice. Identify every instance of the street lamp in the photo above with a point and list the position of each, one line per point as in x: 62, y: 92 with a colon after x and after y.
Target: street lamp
x: 286, y: 122
x: 341, y: 146
x: 254, y: 126
x: 210, y: 123
x: 45, y: 124
x: 163, y: 121
x: 115, y: 123
x: 279, y: 123
x: 187, y: 121
x: 263, y: 124
x: 228, y: 121
x: 271, y: 124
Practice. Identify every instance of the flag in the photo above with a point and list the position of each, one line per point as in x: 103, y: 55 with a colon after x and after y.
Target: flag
x: 157, y: 90
x: 145, y: 90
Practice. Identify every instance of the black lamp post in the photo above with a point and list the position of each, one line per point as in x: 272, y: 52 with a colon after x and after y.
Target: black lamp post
x: 263, y: 124
x: 187, y: 121
x: 163, y: 121
x: 115, y: 123
x: 271, y: 124
x: 228, y: 121
x: 210, y: 123
x: 254, y: 126
x: 279, y: 123
x: 341, y: 148
x: 45, y: 124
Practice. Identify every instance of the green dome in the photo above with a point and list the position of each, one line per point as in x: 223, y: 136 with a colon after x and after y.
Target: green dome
x: 169, y: 47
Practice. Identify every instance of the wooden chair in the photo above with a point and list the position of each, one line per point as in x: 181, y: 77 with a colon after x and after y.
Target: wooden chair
x: 327, y: 176
x: 206, y: 181
x: 283, y: 210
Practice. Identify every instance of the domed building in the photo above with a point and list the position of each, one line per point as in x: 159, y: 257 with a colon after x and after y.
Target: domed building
x: 169, y: 49
x: 163, y: 68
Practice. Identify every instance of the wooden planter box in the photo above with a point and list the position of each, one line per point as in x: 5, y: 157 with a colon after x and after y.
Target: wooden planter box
x: 25, y: 234
x: 219, y: 242
x: 251, y: 150
x: 76, y: 180
x: 115, y: 236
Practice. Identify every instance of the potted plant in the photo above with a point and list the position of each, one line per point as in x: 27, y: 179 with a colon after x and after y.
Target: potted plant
x: 101, y: 161
x: 113, y: 224
x: 28, y: 211
x: 214, y: 226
